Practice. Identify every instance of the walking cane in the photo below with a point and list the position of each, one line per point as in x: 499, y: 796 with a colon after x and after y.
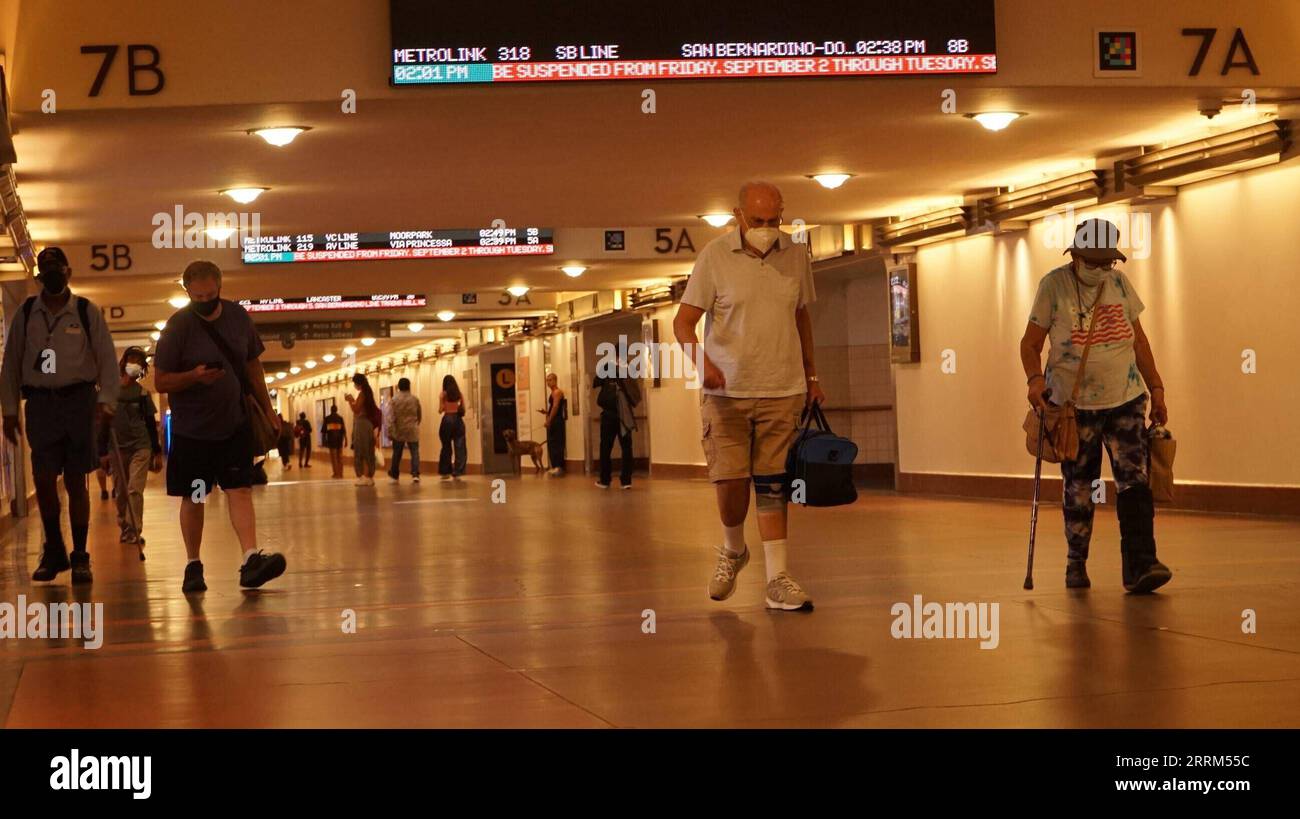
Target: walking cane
x: 122, y: 480
x: 1033, y: 516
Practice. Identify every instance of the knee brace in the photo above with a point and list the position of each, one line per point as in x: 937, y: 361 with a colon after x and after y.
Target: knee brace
x: 769, y: 492
x: 1136, y: 511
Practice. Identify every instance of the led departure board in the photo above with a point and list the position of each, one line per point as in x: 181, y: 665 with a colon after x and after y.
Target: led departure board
x: 372, y: 301
x: 535, y: 41
x: 398, y: 244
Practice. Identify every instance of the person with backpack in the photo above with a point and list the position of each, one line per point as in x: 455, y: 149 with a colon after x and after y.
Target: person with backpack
x: 302, y: 431
x: 617, y: 396
x: 284, y: 445
x: 366, y: 422
x: 754, y: 284
x: 129, y: 447
x: 335, y: 433
x: 59, y: 356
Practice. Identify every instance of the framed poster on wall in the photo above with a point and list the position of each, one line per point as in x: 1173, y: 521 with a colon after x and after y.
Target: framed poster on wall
x: 904, y: 327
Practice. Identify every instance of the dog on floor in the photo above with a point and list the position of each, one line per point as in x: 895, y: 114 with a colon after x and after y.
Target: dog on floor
x: 518, y: 449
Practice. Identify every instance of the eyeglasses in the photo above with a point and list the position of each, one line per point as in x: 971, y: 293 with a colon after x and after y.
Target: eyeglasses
x: 1108, y: 264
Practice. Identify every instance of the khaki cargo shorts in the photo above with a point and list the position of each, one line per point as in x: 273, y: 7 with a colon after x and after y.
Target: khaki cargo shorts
x: 744, y: 437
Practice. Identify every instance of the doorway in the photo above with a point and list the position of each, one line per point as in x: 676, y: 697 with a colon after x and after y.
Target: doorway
x: 614, y: 334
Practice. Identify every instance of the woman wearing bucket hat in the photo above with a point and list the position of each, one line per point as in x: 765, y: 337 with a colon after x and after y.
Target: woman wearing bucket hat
x: 1090, y: 310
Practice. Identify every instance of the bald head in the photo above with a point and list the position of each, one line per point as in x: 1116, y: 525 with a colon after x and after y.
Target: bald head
x: 759, y: 206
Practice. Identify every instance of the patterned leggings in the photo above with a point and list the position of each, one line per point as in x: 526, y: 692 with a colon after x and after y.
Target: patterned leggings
x: 1122, y: 430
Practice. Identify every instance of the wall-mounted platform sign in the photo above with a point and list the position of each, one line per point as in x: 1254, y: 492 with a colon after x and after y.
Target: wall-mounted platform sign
x: 374, y: 301
x: 323, y: 330
x: 531, y: 41
x: 398, y: 244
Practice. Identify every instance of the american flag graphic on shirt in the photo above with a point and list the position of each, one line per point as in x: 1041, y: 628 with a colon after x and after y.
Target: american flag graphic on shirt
x: 1112, y: 325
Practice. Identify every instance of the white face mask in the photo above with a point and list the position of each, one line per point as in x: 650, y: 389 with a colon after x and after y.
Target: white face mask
x: 761, y: 239
x: 134, y: 370
x: 1088, y: 276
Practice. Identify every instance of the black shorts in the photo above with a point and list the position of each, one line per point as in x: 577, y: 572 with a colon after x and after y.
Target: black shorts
x: 61, y: 429
x: 227, y: 463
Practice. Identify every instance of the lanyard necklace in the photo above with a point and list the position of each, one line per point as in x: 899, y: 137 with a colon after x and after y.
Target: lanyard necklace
x: 1078, y: 293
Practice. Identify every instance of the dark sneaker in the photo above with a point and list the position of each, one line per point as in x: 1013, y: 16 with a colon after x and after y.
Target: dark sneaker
x: 54, y: 559
x: 194, y: 578
x: 1145, y: 580
x: 260, y: 569
x: 1076, y: 575
x: 81, y: 569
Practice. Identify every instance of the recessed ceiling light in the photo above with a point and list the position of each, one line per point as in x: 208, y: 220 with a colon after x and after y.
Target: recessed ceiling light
x: 243, y: 195
x: 158, y: 325
x: 830, y: 181
x: 279, y: 137
x: 281, y: 375
x: 415, y: 326
x: 327, y: 358
x: 270, y: 378
x: 309, y: 364
x: 716, y: 219
x: 295, y: 370
x: 446, y: 315
x: 155, y: 335
x: 996, y: 120
x: 573, y: 271
x: 220, y: 234
x: 367, y: 341
x: 518, y: 291
x: 349, y: 350
x: 178, y: 301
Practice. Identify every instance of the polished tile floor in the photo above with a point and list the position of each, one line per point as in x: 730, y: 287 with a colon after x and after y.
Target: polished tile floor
x: 530, y: 613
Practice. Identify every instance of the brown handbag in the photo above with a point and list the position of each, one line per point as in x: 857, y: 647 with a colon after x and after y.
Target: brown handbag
x: 1061, y: 425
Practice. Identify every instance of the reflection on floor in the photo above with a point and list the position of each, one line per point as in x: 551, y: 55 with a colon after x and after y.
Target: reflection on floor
x: 531, y: 613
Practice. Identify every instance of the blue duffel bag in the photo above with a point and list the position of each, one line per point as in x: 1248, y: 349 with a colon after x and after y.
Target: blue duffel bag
x: 822, y: 461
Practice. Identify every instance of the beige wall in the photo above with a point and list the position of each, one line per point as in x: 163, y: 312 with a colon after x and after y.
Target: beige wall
x: 1221, y: 278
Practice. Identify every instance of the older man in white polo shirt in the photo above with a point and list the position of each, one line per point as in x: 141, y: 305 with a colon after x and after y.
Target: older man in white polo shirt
x: 754, y: 285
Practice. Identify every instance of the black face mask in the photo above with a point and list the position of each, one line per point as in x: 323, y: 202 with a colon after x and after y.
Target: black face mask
x: 206, y: 308
x: 54, y: 281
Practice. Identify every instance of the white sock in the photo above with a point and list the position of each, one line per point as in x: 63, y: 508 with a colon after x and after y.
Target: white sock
x: 194, y: 560
x: 247, y: 555
x: 774, y: 557
x: 733, y: 538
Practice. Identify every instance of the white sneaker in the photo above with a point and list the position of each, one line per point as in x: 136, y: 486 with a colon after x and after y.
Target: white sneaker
x: 723, y: 584
x: 446, y: 477
x: 415, y: 479
x: 359, y: 482
x: 602, y: 485
x: 785, y: 594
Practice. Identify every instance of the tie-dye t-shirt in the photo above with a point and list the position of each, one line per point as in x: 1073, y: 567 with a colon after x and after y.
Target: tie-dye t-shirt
x: 1111, y: 377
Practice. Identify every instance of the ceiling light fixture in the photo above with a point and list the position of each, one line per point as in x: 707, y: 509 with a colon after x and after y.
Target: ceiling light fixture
x: 309, y: 364
x: 243, y: 196
x: 327, y: 358
x: 270, y: 378
x: 367, y: 342
x: 716, y: 220
x: 349, y: 350
x: 415, y: 326
x: 178, y: 301
x: 219, y: 234
x: 573, y: 271
x: 159, y: 325
x: 279, y: 137
x: 295, y: 370
x: 995, y: 120
x: 830, y: 181
x: 155, y: 335
x: 446, y: 315
x: 518, y: 291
